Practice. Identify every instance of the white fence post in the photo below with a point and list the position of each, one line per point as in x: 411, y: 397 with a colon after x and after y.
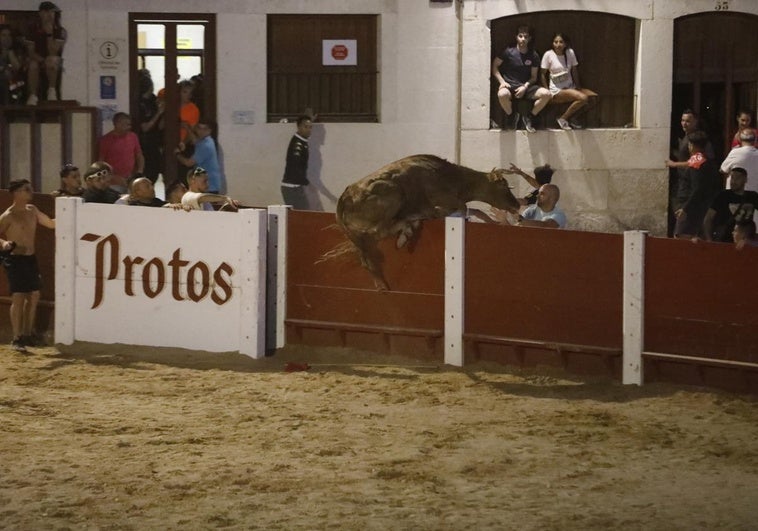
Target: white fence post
x: 455, y: 244
x: 65, y: 269
x: 634, y: 307
x: 276, y: 293
x: 253, y: 282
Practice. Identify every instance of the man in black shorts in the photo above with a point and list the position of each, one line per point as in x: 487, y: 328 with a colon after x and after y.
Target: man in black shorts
x: 18, y: 227
x: 516, y: 70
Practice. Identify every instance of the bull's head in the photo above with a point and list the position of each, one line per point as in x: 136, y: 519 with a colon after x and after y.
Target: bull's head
x: 500, y: 195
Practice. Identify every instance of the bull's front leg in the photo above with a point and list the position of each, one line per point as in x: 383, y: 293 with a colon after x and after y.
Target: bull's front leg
x: 408, y: 232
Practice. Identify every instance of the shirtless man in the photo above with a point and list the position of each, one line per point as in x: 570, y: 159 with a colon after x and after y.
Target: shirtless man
x: 18, y: 226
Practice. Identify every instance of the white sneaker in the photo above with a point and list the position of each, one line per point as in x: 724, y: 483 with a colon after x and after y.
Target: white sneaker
x: 32, y: 100
x: 563, y: 124
x: 51, y: 95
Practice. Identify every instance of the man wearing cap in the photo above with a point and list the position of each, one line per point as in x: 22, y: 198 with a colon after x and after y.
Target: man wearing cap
x: 18, y: 227
x: 44, y: 42
x: 745, y: 156
x: 96, y: 178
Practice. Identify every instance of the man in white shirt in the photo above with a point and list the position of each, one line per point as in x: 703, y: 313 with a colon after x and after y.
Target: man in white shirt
x: 745, y: 156
x: 197, y: 196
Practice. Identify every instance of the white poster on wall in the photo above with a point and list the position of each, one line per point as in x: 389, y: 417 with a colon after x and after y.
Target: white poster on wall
x: 340, y: 52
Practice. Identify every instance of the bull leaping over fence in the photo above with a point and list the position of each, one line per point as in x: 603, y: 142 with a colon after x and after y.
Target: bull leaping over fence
x: 392, y: 202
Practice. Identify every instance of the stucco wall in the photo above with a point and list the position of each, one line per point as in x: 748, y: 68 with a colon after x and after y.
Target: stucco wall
x: 418, y: 69
x: 431, y: 99
x: 610, y: 179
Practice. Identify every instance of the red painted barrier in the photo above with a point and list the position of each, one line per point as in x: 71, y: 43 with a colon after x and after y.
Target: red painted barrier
x: 336, y: 302
x: 543, y: 296
x: 535, y: 297
x: 700, y: 300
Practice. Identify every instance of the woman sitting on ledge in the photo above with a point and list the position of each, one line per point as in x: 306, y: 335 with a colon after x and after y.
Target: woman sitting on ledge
x: 560, y: 74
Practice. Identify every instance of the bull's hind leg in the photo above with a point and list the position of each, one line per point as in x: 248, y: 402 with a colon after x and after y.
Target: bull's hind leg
x: 371, y: 259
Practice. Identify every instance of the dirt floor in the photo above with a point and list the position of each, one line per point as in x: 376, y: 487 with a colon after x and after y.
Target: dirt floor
x: 116, y: 438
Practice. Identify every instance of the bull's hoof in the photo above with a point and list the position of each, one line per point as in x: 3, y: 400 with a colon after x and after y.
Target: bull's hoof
x: 381, y: 285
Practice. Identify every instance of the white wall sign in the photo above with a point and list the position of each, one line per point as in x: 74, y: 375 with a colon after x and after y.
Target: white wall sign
x: 109, y: 55
x: 339, y: 52
x: 198, y: 283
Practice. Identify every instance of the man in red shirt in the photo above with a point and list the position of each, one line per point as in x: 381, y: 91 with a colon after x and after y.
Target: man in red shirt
x: 120, y: 148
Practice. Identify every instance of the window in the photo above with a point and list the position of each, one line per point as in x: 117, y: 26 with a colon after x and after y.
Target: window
x: 605, y: 47
x: 298, y: 79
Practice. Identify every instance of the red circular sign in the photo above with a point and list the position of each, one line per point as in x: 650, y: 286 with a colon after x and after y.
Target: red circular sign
x: 339, y: 52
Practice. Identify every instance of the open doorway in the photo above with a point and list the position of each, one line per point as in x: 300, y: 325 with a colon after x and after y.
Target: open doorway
x: 715, y: 72
x: 171, y: 48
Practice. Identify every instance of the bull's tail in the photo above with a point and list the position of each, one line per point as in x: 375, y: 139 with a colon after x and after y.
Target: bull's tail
x: 342, y: 249
x: 365, y: 249
x: 339, y: 251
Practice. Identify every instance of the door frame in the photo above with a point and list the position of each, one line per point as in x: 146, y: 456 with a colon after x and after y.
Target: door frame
x: 171, y: 113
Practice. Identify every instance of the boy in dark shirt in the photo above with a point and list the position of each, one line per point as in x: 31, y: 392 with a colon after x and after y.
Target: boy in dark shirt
x: 729, y: 208
x: 516, y: 70
x: 295, y: 180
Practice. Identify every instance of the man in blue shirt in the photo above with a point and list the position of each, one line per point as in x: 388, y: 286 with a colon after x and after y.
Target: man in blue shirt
x: 205, y: 156
x: 545, y: 213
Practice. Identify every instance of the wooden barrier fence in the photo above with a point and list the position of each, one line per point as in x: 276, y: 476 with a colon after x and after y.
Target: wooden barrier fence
x: 529, y: 297
x: 335, y: 302
x: 537, y: 296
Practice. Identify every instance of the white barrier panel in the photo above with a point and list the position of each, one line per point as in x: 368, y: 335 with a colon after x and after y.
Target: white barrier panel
x: 276, y: 287
x: 634, y: 307
x: 455, y: 280
x: 159, y: 277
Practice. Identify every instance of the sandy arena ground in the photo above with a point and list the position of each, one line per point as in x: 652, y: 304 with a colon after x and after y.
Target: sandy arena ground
x: 120, y: 439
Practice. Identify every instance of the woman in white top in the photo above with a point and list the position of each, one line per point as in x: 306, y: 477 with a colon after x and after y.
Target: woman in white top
x: 560, y: 74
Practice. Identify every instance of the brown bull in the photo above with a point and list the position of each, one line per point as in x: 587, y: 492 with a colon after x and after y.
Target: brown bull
x: 393, y: 201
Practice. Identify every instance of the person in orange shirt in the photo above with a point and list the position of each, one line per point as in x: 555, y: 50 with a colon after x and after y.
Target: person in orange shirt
x: 189, y: 114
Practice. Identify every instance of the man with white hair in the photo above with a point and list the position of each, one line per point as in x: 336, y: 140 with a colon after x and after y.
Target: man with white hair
x: 745, y: 156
